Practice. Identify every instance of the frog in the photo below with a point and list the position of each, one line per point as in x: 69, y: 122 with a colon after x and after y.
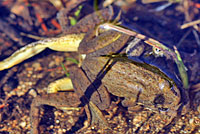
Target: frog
x: 92, y: 88
x: 138, y: 83
x: 135, y: 81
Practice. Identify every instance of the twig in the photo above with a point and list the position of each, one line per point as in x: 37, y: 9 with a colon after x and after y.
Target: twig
x: 189, y: 24
x: 196, y: 36
x: 183, y: 37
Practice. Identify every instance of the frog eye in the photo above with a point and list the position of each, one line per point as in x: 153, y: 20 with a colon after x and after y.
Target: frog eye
x: 157, y: 51
x: 159, y: 99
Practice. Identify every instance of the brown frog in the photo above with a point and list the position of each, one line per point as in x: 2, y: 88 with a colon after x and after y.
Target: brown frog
x: 138, y: 83
x: 99, y: 74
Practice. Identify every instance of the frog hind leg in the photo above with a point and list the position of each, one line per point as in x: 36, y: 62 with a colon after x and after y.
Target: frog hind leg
x: 64, y: 43
x: 59, y: 100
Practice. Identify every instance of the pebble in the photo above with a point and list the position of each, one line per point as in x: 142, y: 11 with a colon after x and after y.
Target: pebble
x: 57, y: 121
x: 191, y: 121
x: 52, y: 64
x: 36, y: 66
x: 23, y: 124
x: 56, y: 113
x: 64, y: 130
x: 23, y: 86
x: 33, y: 93
x: 60, y: 131
x: 52, y: 126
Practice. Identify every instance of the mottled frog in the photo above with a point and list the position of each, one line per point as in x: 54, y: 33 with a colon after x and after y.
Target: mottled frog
x: 100, y: 74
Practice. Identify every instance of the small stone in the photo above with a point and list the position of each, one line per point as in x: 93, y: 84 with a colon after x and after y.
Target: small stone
x: 56, y: 113
x: 33, y: 93
x: 92, y: 128
x: 57, y: 121
x: 191, y: 121
x: 52, y: 64
x: 64, y: 130
x: 23, y: 124
x: 60, y: 131
x: 52, y: 126
x: 23, y: 86
x: 36, y: 66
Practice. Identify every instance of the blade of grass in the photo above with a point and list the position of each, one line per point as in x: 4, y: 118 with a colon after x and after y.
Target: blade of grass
x: 182, y: 69
x: 72, y: 60
x: 65, y: 70
x: 73, y: 20
x: 77, y: 13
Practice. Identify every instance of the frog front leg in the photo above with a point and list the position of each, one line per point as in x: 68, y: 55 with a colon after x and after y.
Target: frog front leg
x: 92, y: 96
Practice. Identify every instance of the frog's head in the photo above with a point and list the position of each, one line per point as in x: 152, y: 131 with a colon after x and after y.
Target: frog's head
x: 164, y: 106
x: 167, y: 101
